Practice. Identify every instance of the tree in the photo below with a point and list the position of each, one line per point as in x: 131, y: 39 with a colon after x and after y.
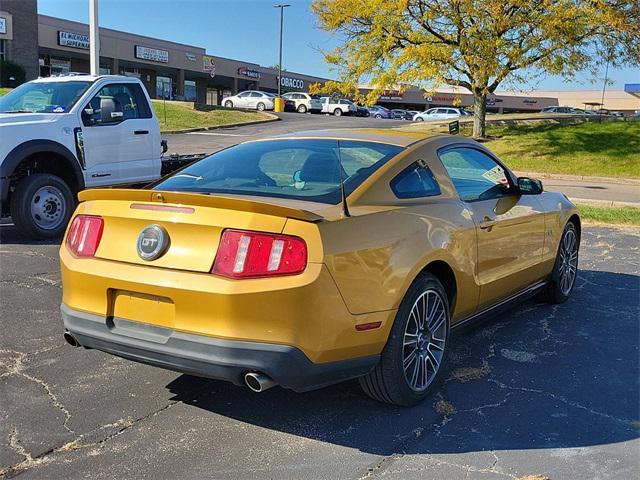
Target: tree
x: 11, y: 74
x: 474, y: 44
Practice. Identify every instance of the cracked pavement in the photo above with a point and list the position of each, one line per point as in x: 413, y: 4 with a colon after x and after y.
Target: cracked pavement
x: 541, y: 391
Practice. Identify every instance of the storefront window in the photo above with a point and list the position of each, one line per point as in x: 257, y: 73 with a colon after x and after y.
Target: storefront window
x: 3, y: 49
x: 60, y: 67
x: 163, y: 88
x: 190, y: 91
x: 105, y: 70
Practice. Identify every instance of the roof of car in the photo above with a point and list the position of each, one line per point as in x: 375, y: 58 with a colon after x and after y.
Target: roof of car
x: 391, y: 136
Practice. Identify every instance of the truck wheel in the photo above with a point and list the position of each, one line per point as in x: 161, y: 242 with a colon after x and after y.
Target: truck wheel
x: 41, y: 206
x: 260, y: 107
x: 228, y: 104
x: 337, y: 112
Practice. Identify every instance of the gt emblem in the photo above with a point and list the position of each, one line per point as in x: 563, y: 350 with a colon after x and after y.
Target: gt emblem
x: 152, y: 242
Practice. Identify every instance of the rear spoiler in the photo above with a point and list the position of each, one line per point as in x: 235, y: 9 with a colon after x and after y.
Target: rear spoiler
x: 198, y: 199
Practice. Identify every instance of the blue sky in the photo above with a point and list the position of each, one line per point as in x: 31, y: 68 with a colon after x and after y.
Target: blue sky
x: 247, y: 30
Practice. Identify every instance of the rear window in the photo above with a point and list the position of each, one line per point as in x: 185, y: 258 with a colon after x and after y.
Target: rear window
x: 296, y: 169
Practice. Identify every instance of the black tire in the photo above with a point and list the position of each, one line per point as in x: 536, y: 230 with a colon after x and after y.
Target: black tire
x: 302, y: 108
x: 419, y: 119
x: 260, y: 107
x: 228, y: 104
x: 387, y: 382
x: 337, y: 112
x: 556, y: 291
x: 378, y: 116
x: 51, y: 220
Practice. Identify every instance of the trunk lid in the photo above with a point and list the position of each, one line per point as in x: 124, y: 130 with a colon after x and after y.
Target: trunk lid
x: 192, y: 222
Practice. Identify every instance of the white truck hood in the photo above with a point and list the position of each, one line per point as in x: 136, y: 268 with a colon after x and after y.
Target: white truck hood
x: 27, y: 118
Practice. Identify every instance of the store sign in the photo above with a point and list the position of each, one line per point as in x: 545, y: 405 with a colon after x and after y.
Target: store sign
x: 391, y: 95
x: 247, y: 72
x: 3, y: 25
x: 292, y: 83
x: 74, y: 40
x: 209, y: 65
x: 446, y: 99
x: 190, y: 56
x: 528, y: 101
x: 153, y: 54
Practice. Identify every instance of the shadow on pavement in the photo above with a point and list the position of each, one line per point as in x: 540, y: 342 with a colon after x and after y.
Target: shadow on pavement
x: 538, y: 377
x: 10, y: 235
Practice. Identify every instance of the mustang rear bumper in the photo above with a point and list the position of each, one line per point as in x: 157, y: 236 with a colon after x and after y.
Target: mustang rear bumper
x: 207, y: 356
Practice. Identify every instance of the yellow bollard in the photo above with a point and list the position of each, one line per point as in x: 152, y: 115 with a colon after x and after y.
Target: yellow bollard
x: 279, y: 105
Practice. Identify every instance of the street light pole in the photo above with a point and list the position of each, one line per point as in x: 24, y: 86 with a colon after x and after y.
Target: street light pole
x: 281, y: 6
x: 94, y: 38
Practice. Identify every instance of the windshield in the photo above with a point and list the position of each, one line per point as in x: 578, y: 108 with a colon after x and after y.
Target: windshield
x: 297, y: 169
x: 43, y: 97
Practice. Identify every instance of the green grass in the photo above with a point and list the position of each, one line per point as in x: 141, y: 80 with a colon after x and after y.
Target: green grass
x: 182, y: 116
x: 608, y: 149
x: 4, y: 91
x: 615, y: 215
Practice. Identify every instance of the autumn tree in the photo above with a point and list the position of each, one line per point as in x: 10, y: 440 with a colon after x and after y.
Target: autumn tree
x: 473, y: 44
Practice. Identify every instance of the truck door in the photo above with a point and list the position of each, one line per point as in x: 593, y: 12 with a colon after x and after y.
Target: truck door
x: 121, y: 136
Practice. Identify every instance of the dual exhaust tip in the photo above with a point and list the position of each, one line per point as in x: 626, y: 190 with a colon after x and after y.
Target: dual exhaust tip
x: 257, y: 382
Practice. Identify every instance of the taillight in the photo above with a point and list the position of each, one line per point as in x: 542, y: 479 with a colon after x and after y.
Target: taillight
x: 243, y: 254
x: 84, y: 235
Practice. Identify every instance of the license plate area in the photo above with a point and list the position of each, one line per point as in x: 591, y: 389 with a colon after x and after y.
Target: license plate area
x: 140, y: 315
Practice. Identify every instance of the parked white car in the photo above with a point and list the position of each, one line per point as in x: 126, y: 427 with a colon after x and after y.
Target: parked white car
x: 254, y: 99
x: 61, y: 135
x: 440, y: 113
x: 338, y: 107
x: 304, y: 102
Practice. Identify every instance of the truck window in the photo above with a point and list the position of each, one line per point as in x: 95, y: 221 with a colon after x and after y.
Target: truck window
x: 128, y: 98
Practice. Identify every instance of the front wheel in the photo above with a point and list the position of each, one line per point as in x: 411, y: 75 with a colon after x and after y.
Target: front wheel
x: 565, y: 269
x: 302, y: 108
x: 228, y: 104
x: 41, y: 206
x: 260, y: 107
x: 337, y: 112
x: 411, y: 363
x: 377, y: 115
x: 419, y: 119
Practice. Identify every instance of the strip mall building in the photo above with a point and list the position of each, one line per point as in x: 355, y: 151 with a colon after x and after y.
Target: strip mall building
x: 47, y: 46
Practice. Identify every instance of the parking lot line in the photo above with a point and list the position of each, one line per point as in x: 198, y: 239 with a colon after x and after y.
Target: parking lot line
x: 215, y: 134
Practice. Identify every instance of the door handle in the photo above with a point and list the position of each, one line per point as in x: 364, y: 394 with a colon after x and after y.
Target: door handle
x: 141, y: 132
x: 487, y: 223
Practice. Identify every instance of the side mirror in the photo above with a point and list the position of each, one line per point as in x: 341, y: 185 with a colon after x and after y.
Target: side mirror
x: 110, y: 111
x: 529, y: 186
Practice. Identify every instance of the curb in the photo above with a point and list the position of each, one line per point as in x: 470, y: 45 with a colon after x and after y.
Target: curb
x: 580, y: 178
x: 603, y: 203
x: 217, y: 127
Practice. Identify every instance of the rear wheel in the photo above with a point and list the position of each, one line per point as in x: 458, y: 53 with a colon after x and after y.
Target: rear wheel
x: 41, y: 206
x: 565, y: 269
x: 412, y: 361
x: 260, y: 107
x: 302, y: 108
x: 337, y: 112
x: 228, y: 104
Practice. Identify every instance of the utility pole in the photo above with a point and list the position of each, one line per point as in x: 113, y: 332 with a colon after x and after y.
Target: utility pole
x: 94, y: 38
x: 281, y: 6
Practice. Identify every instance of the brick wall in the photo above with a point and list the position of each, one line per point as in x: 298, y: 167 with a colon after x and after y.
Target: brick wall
x: 23, y: 49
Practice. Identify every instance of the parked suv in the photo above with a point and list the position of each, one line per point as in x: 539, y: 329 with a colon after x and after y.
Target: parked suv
x: 440, y: 113
x: 304, y: 102
x: 251, y: 99
x: 61, y: 135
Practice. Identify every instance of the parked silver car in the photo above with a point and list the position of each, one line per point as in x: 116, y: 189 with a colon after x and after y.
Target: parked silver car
x: 251, y: 99
x: 304, y: 102
x: 440, y: 113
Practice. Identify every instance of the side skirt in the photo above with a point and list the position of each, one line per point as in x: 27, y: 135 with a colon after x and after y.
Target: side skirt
x: 504, y: 305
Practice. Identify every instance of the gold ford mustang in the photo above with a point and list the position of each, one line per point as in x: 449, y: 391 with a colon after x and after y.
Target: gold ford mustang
x: 313, y: 258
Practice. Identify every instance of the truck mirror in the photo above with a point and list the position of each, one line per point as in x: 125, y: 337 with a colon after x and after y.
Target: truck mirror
x: 110, y: 111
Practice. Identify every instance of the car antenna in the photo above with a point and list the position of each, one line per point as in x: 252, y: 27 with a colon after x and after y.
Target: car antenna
x: 345, y: 207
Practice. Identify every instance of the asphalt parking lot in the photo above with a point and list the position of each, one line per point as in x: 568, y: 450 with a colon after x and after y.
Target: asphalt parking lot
x: 548, y: 391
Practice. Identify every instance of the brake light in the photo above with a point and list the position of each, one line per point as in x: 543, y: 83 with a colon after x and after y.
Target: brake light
x: 244, y: 254
x: 84, y: 235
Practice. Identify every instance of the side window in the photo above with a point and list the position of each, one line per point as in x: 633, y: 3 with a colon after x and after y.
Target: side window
x: 415, y: 181
x: 244, y: 94
x: 256, y: 95
x: 441, y: 110
x: 115, y: 103
x: 475, y: 175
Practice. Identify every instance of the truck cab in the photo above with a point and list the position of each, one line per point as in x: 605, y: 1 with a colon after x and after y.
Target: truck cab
x: 60, y: 135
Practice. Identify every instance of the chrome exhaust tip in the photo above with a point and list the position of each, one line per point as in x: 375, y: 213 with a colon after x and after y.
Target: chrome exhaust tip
x: 258, y: 382
x: 70, y: 339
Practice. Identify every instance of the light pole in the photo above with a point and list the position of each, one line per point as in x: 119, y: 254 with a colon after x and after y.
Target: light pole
x: 94, y: 38
x: 281, y: 6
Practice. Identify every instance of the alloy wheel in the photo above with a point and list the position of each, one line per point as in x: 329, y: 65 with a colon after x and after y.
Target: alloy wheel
x: 424, y: 340
x: 568, y: 261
